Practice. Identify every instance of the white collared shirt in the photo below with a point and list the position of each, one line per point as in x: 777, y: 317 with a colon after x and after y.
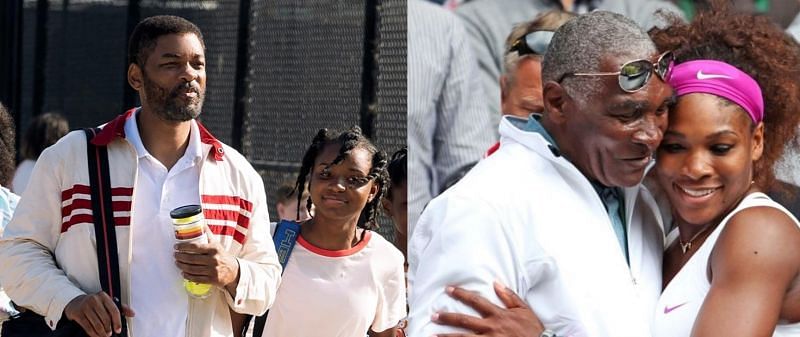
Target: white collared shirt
x: 157, y: 295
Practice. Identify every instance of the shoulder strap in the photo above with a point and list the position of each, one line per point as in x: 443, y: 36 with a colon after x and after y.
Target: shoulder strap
x: 104, y: 226
x: 286, y: 233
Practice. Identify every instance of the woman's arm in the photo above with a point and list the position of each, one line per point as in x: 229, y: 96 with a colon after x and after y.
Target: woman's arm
x: 754, y: 261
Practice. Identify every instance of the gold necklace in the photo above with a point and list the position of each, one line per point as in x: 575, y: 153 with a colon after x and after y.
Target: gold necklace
x: 688, y: 245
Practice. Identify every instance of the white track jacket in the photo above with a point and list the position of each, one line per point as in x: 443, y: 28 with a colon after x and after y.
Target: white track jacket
x: 529, y: 219
x: 48, y: 255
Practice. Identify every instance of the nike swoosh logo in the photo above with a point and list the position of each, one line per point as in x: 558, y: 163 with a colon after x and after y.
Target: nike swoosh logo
x: 701, y: 76
x: 667, y: 309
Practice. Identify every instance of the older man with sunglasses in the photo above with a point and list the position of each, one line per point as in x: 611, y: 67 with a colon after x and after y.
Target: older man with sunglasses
x: 576, y: 236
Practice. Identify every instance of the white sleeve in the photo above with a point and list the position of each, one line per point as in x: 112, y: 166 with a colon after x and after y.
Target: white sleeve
x: 259, y: 269
x: 458, y: 241
x: 392, y: 295
x: 29, y: 274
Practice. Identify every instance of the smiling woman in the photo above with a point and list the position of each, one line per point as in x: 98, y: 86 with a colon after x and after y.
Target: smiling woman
x: 737, y: 86
x: 343, y: 279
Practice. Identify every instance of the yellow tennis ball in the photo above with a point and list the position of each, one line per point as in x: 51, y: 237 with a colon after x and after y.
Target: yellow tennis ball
x: 199, y: 290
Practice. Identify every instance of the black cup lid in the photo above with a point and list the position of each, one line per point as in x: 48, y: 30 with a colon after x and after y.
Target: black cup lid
x: 185, y: 211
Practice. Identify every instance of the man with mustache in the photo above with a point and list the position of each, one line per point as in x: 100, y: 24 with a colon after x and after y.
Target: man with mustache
x: 160, y: 158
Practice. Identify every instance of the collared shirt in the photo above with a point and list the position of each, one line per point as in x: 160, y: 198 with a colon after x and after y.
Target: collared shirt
x: 157, y: 295
x: 611, y: 196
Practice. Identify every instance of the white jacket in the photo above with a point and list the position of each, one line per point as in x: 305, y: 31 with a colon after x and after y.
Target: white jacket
x: 532, y: 221
x: 53, y: 218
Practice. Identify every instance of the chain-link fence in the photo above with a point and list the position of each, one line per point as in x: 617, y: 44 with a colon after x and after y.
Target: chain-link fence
x: 278, y: 70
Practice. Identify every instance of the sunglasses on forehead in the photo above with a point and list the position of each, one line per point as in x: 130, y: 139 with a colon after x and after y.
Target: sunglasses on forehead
x: 634, y: 75
x: 532, y: 43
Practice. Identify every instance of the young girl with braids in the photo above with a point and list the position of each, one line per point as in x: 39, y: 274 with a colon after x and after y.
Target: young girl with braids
x: 732, y: 262
x: 342, y: 279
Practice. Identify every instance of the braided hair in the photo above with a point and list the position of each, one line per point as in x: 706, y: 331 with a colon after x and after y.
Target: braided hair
x: 398, y: 172
x: 347, y: 141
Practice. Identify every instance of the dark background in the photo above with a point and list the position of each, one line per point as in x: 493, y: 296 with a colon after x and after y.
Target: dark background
x: 277, y: 70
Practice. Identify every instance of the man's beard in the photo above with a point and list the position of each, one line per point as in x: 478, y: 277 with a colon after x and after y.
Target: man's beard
x: 169, y: 106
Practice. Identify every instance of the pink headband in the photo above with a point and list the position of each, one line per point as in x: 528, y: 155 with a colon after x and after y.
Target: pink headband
x: 721, y: 79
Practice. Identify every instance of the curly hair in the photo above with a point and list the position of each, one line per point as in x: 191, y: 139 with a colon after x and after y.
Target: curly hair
x: 7, y: 150
x: 756, y: 46
x: 347, y: 141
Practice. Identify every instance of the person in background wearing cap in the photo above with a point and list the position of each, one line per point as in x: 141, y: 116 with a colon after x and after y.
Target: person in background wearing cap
x: 521, y: 81
x: 159, y: 158
x: 732, y: 260
x: 575, y: 235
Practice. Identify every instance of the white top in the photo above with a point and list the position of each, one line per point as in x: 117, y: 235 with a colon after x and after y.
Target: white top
x: 680, y: 302
x: 546, y: 235
x: 339, y: 293
x: 21, y: 176
x: 157, y: 295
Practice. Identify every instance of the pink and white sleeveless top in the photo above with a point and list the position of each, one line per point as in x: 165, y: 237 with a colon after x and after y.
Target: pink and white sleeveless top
x: 680, y: 302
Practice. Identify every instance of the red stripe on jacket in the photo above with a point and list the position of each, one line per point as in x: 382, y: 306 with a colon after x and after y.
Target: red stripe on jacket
x: 228, y: 215
x: 86, y: 204
x: 84, y: 189
x: 228, y: 200
x: 241, y: 220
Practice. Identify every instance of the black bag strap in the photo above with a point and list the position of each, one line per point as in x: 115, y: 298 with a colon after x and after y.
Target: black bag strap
x: 259, y: 324
x: 104, y: 225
